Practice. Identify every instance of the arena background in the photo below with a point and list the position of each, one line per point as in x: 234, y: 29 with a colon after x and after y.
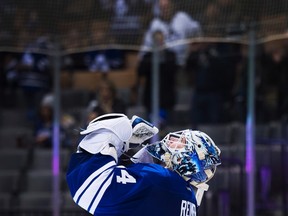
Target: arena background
x: 253, y: 177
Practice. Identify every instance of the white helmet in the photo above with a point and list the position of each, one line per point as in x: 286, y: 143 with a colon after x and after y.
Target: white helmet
x: 191, y: 153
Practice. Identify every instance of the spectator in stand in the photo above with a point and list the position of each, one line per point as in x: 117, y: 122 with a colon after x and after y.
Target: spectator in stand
x: 275, y: 67
x: 10, y: 77
x: 43, y: 129
x: 175, y: 25
x: 270, y: 60
x: 167, y: 75
x: 212, y: 70
x: 43, y: 126
x: 97, y: 62
x: 35, y: 78
x: 104, y: 101
x: 103, y: 61
x: 121, y: 8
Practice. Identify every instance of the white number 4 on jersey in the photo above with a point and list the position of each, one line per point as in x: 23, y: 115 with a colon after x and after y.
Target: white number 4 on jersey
x: 125, y: 178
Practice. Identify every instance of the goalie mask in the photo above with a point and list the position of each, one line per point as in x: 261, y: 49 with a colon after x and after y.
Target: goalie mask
x: 192, y: 154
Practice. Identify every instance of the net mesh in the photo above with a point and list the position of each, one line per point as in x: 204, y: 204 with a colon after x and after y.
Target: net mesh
x: 80, y: 26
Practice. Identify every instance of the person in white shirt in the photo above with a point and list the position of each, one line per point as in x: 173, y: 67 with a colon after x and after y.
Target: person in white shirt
x: 177, y: 26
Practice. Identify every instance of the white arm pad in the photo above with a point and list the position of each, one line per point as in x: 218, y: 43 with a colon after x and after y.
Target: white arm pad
x: 108, y: 129
x: 95, y: 142
x: 110, y: 150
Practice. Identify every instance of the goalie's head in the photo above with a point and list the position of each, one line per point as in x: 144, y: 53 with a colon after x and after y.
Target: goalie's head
x: 192, y: 154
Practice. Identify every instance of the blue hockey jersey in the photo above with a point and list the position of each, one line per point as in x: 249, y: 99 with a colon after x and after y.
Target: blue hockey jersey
x: 102, y: 187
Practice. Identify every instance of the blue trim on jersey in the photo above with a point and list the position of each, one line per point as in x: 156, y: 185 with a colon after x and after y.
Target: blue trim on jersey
x: 83, y: 165
x: 93, y: 200
x: 79, y: 197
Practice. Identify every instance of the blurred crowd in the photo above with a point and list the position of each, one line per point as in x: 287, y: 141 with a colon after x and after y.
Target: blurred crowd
x: 77, y: 26
x: 215, y: 72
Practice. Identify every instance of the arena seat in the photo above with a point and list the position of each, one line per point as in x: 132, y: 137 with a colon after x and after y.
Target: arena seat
x: 13, y: 159
x: 4, y: 201
x: 220, y: 133
x: 14, y: 137
x: 35, y: 200
x: 42, y: 158
x: 68, y: 201
x: 14, y: 117
x: 39, y: 181
x: 8, y: 181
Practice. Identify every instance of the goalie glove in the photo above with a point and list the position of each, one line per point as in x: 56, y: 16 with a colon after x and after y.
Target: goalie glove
x: 142, y: 130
